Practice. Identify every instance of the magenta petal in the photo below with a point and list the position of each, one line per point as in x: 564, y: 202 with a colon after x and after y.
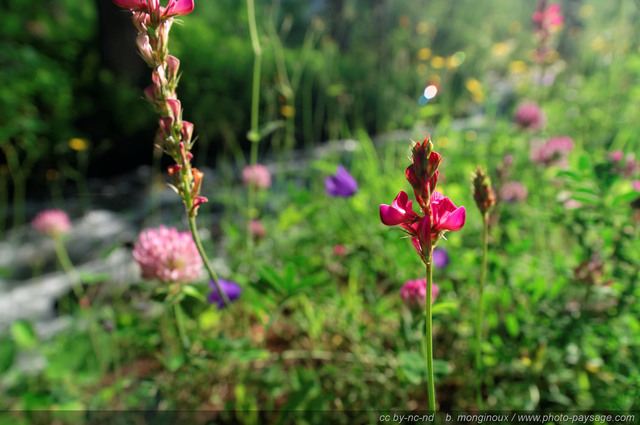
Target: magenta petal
x: 180, y: 7
x: 391, y: 216
x: 416, y: 245
x: 131, y: 4
x: 455, y: 220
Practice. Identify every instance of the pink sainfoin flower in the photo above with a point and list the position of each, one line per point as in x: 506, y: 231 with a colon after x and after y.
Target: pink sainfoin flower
x: 257, y: 175
x: 414, y: 293
x: 52, y: 222
x: 529, y: 116
x: 173, y: 8
x: 438, y: 213
x: 636, y: 185
x: 547, y: 20
x: 553, y: 152
x: 168, y: 255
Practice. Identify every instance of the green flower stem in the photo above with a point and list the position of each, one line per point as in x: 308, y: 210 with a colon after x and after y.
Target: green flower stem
x: 428, y: 340
x: 483, y: 276
x: 212, y: 274
x: 67, y: 266
x: 177, y: 311
x: 76, y: 285
x: 254, y: 133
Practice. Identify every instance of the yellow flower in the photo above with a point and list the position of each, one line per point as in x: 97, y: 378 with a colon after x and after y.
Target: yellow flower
x: 586, y: 11
x: 517, y: 67
x: 455, y: 60
x: 598, y: 44
x: 500, y: 49
x: 471, y: 135
x: 437, y: 62
x: 287, y: 111
x: 78, y: 144
x: 422, y: 27
x: 424, y: 53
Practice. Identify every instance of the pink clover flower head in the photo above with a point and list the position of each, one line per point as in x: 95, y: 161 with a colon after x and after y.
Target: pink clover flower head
x: 440, y: 258
x: 168, y: 255
x: 513, y: 191
x: 52, y: 222
x: 414, y: 293
x: 231, y: 289
x: 341, y: 184
x: 616, y: 155
x: 257, y: 229
x: 636, y: 185
x: 529, y: 116
x: 257, y: 175
x: 553, y: 152
x: 339, y: 250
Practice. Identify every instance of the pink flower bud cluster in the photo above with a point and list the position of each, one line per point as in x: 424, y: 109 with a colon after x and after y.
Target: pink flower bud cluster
x: 547, y: 20
x: 439, y: 214
x: 174, y: 135
x: 168, y: 255
x: 52, y: 222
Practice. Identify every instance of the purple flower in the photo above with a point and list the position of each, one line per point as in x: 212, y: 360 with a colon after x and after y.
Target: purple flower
x: 530, y: 116
x: 440, y: 258
x: 342, y: 184
x: 231, y: 289
x: 52, y: 222
x: 414, y: 293
x: 168, y: 255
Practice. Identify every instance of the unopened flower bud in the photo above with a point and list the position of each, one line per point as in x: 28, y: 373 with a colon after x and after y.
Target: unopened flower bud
x: 146, y: 51
x: 197, y: 180
x: 151, y: 93
x: 174, y: 107
x: 483, y: 193
x: 173, y: 64
x: 174, y: 169
x: 166, y: 124
x: 187, y: 132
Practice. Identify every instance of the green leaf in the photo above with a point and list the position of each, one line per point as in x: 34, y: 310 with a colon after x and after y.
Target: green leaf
x: 625, y: 198
x: 191, y: 291
x: 584, y: 163
x: 270, y: 276
x: 412, y: 367
x: 92, y: 278
x: 23, y: 334
x: 7, y: 354
x: 443, y: 308
x: 512, y: 326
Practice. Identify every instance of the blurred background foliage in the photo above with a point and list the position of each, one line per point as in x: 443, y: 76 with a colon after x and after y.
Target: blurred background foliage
x: 562, y: 319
